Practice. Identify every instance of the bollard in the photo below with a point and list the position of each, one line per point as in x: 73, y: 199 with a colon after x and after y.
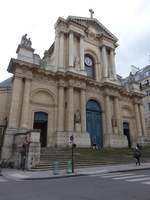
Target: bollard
x: 56, y: 168
x: 69, y: 167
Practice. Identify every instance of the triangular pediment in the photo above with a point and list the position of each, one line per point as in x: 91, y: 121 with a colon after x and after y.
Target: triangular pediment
x: 93, y: 25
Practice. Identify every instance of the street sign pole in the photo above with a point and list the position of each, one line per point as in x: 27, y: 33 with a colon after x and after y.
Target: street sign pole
x: 72, y: 158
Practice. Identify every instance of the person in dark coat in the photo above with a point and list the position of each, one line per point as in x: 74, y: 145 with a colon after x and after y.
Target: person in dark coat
x: 23, y: 157
x: 94, y: 143
x: 137, y: 154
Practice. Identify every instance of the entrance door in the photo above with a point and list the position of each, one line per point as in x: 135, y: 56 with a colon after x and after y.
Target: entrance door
x: 126, y: 132
x: 94, y: 122
x: 40, y: 122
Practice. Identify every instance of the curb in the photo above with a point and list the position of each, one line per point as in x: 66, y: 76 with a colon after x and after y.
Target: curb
x: 127, y: 170
x: 54, y: 177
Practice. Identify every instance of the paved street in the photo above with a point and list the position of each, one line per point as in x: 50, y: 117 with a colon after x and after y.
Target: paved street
x: 115, y: 186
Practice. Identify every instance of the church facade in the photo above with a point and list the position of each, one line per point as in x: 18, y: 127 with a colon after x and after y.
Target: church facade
x: 72, y: 90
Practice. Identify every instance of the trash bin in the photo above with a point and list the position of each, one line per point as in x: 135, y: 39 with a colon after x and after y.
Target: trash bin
x: 69, y: 167
x: 56, y: 168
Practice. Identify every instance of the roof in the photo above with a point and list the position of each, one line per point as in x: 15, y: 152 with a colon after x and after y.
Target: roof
x: 84, y: 21
x: 7, y: 83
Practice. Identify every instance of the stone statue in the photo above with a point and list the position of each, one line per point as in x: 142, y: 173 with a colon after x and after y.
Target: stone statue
x: 29, y: 43
x: 76, y: 62
x: 77, y: 116
x: 25, y: 42
x: 131, y: 77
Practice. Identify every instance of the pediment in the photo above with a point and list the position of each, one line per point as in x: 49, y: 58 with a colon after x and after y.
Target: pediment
x: 92, y: 25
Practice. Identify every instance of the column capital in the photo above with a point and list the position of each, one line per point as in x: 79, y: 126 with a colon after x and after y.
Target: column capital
x: 71, y: 83
x: 61, y: 83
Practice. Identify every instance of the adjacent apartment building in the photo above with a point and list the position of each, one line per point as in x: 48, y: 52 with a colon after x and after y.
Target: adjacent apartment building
x: 143, y: 77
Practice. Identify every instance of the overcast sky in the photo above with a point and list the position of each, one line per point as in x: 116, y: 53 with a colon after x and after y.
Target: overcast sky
x: 128, y: 20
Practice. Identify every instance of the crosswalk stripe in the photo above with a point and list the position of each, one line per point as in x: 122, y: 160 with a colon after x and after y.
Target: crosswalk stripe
x: 139, y: 179
x: 99, y: 175
x: 146, y: 182
x: 129, y: 177
x: 118, y: 175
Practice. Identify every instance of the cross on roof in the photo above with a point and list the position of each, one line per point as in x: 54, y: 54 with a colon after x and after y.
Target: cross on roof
x: 92, y: 12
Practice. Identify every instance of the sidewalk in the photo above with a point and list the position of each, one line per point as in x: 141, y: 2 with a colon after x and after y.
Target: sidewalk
x: 18, y: 175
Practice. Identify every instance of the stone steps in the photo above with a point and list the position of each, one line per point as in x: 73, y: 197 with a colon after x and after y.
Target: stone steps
x: 87, y: 157
x: 50, y: 155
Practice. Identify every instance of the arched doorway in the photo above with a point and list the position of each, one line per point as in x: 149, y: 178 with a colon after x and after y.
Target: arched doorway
x: 126, y: 132
x: 94, y: 122
x: 40, y: 122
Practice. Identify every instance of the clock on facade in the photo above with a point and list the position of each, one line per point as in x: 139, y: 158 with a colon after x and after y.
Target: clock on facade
x: 88, y: 61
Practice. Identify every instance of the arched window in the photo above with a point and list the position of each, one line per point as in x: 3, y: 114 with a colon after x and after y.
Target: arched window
x: 89, y: 66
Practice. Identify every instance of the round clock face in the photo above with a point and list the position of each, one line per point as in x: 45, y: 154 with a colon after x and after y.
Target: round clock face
x: 88, y: 61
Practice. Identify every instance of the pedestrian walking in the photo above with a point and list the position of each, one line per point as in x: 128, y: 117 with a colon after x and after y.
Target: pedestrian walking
x: 137, y: 154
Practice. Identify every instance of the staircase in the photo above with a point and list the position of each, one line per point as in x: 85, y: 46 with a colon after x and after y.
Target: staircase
x: 83, y: 157
x: 50, y: 155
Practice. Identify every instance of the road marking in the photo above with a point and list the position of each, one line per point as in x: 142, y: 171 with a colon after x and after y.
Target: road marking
x: 115, y: 175
x: 146, y: 182
x: 129, y: 177
x: 139, y: 179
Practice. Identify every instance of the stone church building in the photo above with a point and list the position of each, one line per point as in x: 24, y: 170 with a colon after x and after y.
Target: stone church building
x: 72, y: 90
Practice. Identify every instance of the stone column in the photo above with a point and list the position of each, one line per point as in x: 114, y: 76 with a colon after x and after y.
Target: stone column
x: 108, y: 115
x: 56, y: 48
x: 25, y: 104
x: 70, y: 105
x: 82, y: 52
x: 83, y: 110
x: 61, y: 107
x: 15, y: 103
x: 138, y: 123
x: 142, y: 120
x: 113, y: 66
x: 118, y: 114
x: 61, y: 50
x: 105, y: 62
x: 71, y: 55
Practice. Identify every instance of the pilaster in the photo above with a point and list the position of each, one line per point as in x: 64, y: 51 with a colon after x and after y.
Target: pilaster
x: 118, y: 115
x: 138, y: 123
x: 112, y: 64
x: 108, y: 115
x: 60, y: 114
x: 71, y: 54
x: 15, y: 102
x: 142, y: 120
x: 25, y: 104
x: 105, y: 62
x: 61, y: 50
x: 83, y: 110
x: 56, y: 48
x: 70, y: 110
x: 82, y: 52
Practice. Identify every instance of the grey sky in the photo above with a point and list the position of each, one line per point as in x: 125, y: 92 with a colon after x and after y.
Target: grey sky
x: 128, y: 20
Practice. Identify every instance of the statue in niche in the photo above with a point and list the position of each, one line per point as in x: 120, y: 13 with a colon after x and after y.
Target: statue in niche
x: 76, y: 62
x: 25, y: 42
x: 77, y: 116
